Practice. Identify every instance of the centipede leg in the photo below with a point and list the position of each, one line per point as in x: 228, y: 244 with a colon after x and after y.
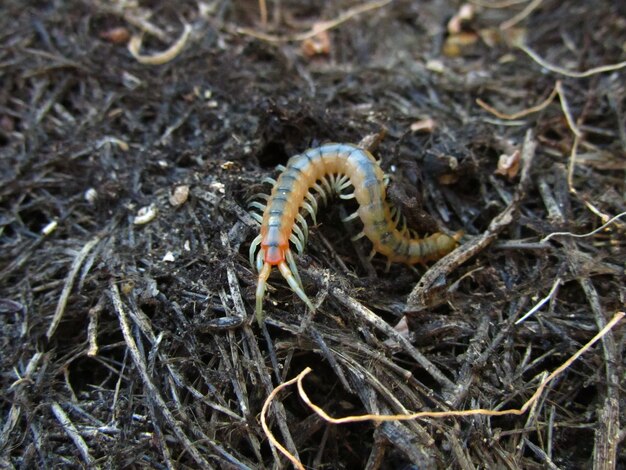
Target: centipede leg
x: 305, y: 228
x: 312, y: 201
x: 343, y: 183
x: 395, y: 216
x: 292, y: 265
x: 351, y: 217
x: 333, y: 181
x: 262, y: 196
x: 296, y: 241
x: 322, y: 192
x: 310, y: 210
x: 256, y: 216
x: 300, y: 234
x: 253, y: 247
x: 259, y: 259
x: 327, y: 185
x: 260, y: 290
x: 358, y: 236
x: 291, y: 280
x: 257, y: 205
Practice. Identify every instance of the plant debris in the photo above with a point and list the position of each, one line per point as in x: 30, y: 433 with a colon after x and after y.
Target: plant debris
x: 127, y: 325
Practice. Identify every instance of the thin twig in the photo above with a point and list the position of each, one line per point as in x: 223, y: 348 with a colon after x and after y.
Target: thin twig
x: 422, y: 414
x: 572, y: 165
x: 583, y: 235
x: 69, y: 283
x: 134, y: 46
x: 374, y: 320
x: 149, y: 387
x: 263, y: 12
x: 266, y: 429
x: 565, y: 107
x: 92, y: 328
x: 497, y: 5
x: 319, y: 27
x: 428, y: 290
x: 568, y: 73
x: 523, y: 113
x: 528, y: 9
x: 540, y: 304
x: 73, y: 433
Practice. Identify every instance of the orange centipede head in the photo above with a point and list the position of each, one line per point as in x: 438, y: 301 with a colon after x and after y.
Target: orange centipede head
x: 275, y: 254
x: 275, y: 246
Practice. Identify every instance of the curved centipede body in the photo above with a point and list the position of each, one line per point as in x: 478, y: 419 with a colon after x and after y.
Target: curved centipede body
x: 324, y: 171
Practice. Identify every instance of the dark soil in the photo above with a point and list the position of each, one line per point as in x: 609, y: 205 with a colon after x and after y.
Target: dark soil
x: 130, y: 345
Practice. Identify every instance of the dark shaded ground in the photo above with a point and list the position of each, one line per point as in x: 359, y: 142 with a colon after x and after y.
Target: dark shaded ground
x: 88, y: 136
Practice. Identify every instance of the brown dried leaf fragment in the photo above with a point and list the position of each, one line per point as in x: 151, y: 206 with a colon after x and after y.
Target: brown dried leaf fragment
x: 508, y: 165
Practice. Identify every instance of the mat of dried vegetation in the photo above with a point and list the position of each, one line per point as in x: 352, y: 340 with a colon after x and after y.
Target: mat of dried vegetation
x: 133, y: 133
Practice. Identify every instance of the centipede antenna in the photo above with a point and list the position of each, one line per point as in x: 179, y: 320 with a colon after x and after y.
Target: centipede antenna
x: 291, y: 280
x: 298, y: 232
x: 292, y: 265
x: 257, y: 217
x: 303, y: 225
x: 358, y: 236
x: 257, y: 205
x: 351, y: 217
x: 294, y: 239
x: 347, y: 196
x: 253, y: 246
x: 269, y: 180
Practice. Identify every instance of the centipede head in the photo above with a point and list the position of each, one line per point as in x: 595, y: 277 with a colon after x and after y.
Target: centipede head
x: 274, y: 254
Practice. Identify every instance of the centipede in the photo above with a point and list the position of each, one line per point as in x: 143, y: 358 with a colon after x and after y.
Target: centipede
x: 314, y: 176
